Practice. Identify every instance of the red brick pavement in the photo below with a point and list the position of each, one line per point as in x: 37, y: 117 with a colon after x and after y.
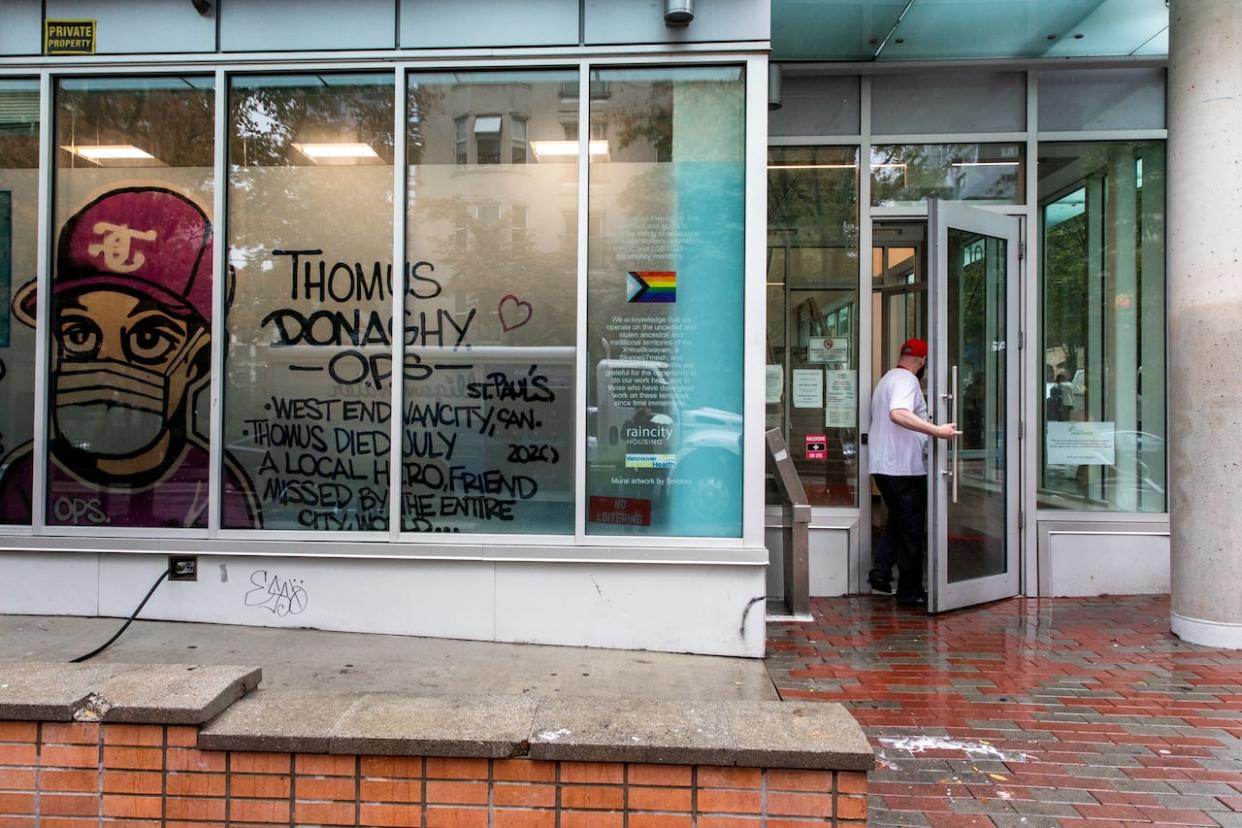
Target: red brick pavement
x: 1031, y: 712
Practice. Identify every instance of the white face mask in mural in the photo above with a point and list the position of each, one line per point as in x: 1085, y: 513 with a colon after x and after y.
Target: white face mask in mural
x: 113, y: 409
x: 109, y: 408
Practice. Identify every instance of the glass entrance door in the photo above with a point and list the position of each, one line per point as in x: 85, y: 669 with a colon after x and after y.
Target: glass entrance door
x: 973, y: 381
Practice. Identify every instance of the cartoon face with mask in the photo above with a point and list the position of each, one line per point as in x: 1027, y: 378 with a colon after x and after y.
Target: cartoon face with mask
x: 131, y: 334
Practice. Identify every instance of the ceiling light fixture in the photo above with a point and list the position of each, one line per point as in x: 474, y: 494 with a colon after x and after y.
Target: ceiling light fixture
x: 107, y: 152
x: 775, y: 86
x: 317, y: 152
x: 985, y: 163
x: 678, y: 12
x: 562, y: 149
x: 813, y: 166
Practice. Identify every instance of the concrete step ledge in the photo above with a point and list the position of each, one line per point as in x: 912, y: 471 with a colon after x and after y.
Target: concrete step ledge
x: 170, y: 694
x: 768, y: 734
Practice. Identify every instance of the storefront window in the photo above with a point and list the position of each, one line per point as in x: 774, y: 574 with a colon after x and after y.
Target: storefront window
x: 812, y: 279
x: 665, y: 303
x: 307, y: 400
x: 904, y: 175
x: 130, y: 316
x: 1103, y: 334
x: 19, y: 215
x: 491, y: 308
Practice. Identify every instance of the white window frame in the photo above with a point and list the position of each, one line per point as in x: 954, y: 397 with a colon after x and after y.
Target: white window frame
x: 745, y: 549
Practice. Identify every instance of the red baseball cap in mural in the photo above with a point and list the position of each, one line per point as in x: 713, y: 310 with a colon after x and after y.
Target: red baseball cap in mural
x: 144, y: 240
x: 914, y: 348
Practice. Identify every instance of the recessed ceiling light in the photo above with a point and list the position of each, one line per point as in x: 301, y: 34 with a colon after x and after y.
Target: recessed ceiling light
x: 316, y: 152
x: 552, y: 149
x: 107, y: 152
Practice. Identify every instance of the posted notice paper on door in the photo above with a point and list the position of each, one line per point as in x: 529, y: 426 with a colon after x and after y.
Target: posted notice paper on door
x: 828, y: 349
x: 775, y: 383
x: 842, y: 404
x: 808, y: 388
x: 1081, y: 444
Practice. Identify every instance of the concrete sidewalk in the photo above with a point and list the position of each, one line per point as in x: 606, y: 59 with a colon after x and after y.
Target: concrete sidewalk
x: 343, y: 663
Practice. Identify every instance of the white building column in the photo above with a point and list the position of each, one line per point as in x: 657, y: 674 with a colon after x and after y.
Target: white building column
x: 1205, y: 319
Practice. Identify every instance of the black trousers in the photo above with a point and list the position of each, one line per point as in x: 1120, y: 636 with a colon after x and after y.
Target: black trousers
x: 904, y: 542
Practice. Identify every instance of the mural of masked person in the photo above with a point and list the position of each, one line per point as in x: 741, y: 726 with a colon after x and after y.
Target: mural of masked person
x: 131, y: 346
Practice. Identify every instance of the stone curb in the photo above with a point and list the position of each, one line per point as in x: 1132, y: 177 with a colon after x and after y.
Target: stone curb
x: 174, y: 694
x: 768, y: 734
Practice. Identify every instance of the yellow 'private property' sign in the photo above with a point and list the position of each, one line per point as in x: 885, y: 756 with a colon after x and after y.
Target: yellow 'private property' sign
x: 69, y: 37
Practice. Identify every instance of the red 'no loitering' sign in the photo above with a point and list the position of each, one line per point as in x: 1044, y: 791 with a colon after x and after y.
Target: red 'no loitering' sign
x: 816, y: 447
x: 625, y: 511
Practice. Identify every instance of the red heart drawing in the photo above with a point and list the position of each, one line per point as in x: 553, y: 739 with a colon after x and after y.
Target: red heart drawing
x: 514, y: 313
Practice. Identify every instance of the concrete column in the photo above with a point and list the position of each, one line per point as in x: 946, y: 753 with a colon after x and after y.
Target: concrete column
x: 1205, y: 319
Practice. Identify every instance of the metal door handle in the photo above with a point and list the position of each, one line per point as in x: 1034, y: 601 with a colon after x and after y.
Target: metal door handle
x: 951, y: 396
x: 955, y: 447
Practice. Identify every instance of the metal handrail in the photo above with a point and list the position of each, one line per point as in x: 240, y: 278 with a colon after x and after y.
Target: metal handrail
x: 795, y: 558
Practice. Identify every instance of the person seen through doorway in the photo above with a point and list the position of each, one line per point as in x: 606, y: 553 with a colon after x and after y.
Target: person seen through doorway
x: 899, y: 432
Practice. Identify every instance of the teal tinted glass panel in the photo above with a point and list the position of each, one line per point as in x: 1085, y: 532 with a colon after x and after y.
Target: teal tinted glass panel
x: 665, y: 302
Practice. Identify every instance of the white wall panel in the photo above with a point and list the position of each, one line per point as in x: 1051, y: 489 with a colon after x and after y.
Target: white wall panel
x: 1079, y: 564
x: 448, y: 600
x: 21, y: 27
x: 140, y: 26
x: 642, y: 21
x: 49, y: 583
x: 829, y: 560
x: 293, y: 25
x: 443, y: 24
x: 693, y: 609
x: 674, y: 608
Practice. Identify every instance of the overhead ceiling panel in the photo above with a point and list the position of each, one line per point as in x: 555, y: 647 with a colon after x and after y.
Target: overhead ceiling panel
x: 966, y: 29
x: 1118, y: 27
x: 831, y: 29
x: 948, y: 29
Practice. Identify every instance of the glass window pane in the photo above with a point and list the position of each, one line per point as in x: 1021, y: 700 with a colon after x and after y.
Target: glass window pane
x: 1103, y: 334
x: 309, y: 309
x: 1101, y: 99
x: 813, y: 299
x: 665, y: 303
x: 904, y: 175
x: 947, y: 102
x: 19, y: 217
x: 131, y: 302
x: 491, y: 308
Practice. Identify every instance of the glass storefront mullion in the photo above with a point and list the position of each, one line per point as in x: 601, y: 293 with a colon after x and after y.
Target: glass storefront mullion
x: 129, y: 305
x: 400, y: 253
x: 19, y: 189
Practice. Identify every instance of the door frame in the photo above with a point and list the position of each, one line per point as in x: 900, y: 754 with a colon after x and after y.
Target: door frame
x: 944, y: 595
x: 1026, y: 297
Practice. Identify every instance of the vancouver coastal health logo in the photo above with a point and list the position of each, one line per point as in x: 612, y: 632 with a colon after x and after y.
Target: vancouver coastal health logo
x: 652, y: 436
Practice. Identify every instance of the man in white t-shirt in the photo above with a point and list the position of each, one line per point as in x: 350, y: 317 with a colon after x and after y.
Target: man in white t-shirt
x: 897, y: 441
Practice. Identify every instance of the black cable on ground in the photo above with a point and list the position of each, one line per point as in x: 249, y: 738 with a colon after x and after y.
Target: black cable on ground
x: 124, y: 626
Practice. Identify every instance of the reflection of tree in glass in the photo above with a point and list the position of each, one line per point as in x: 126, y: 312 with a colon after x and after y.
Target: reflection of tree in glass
x: 19, y: 130
x: 820, y: 204
x: 173, y: 124
x: 264, y: 122
x: 914, y: 172
x: 489, y: 255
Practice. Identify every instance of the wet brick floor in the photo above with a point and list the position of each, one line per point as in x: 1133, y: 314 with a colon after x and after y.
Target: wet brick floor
x: 1031, y: 712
